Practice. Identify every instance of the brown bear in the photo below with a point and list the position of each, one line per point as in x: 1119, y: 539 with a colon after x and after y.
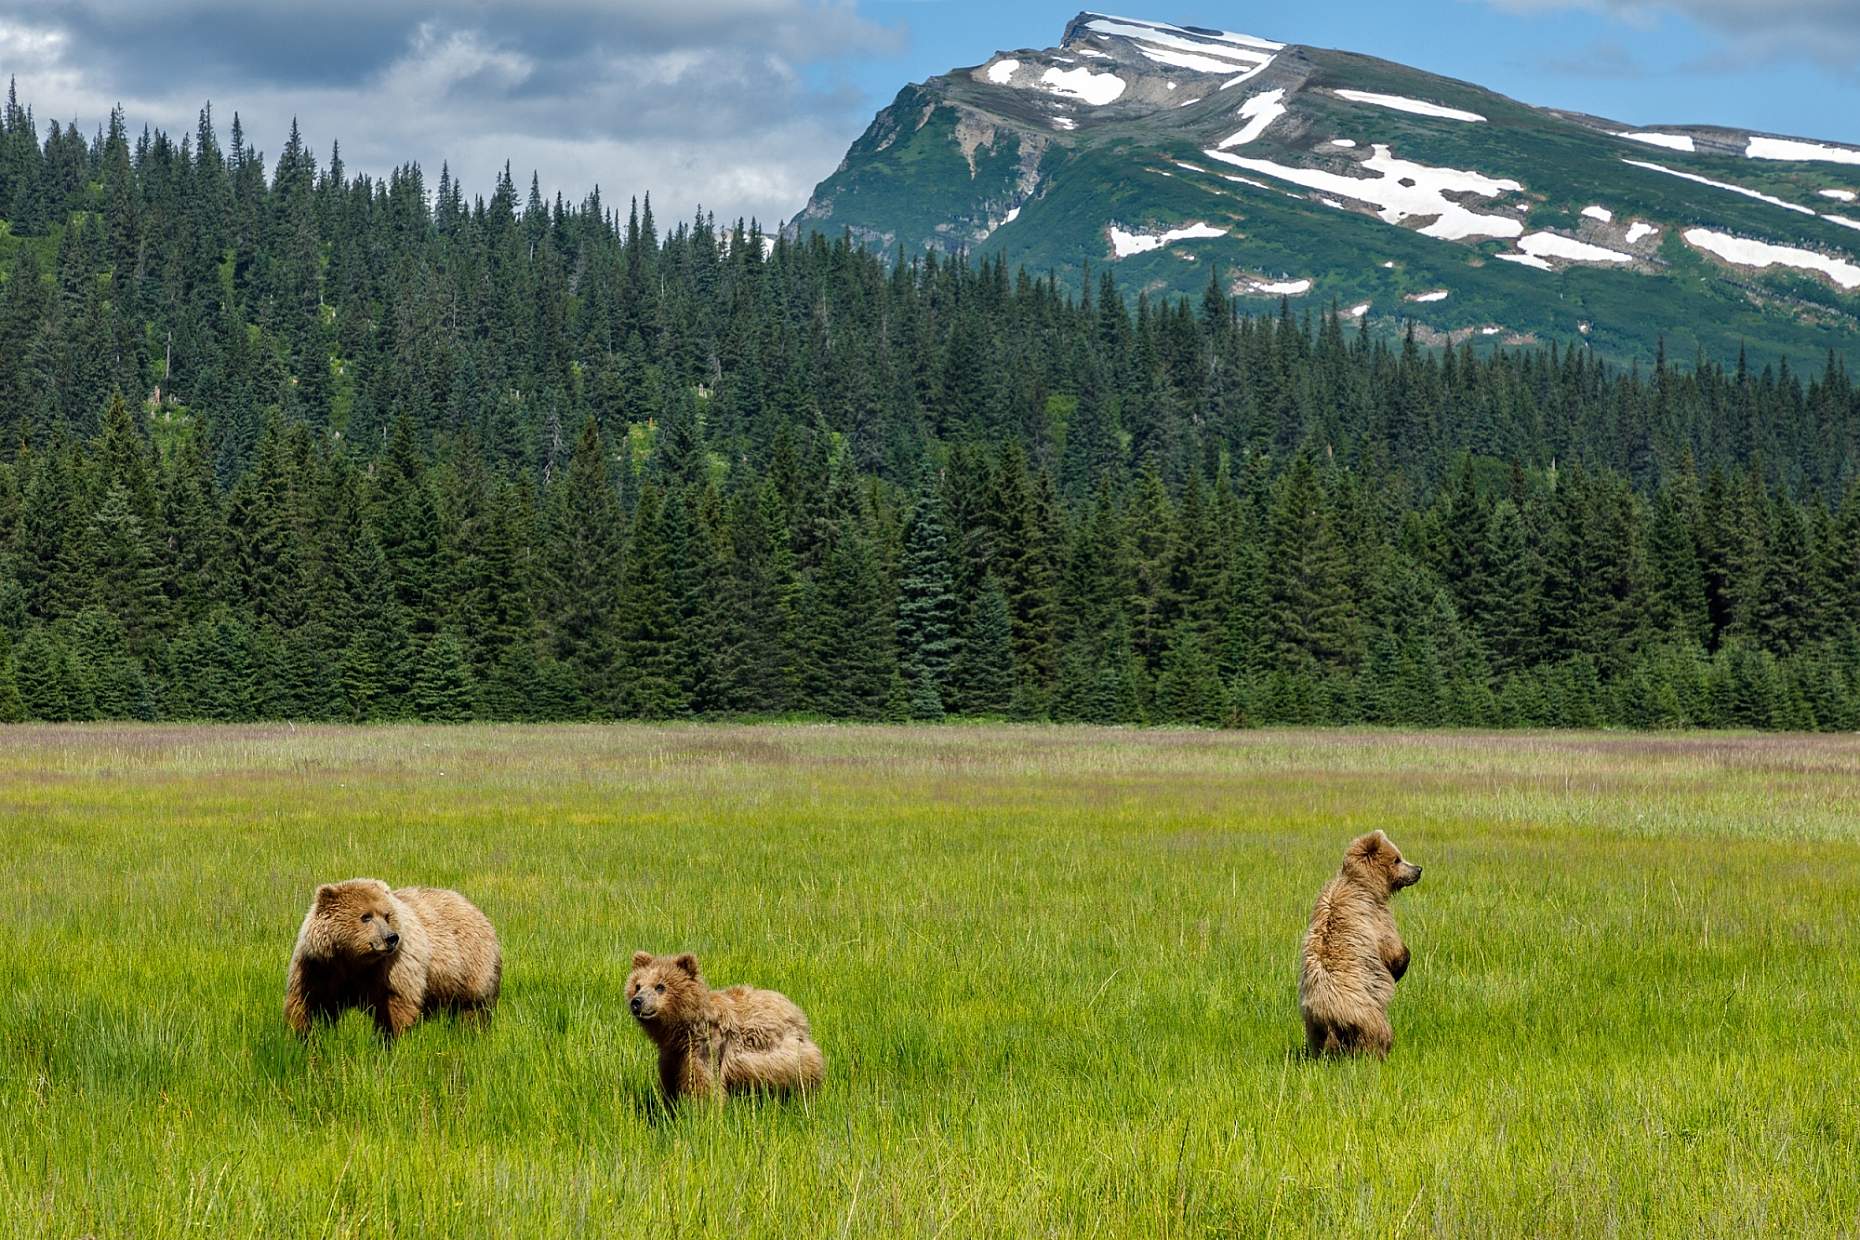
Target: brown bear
x: 717, y: 1042
x: 395, y: 954
x: 1353, y: 955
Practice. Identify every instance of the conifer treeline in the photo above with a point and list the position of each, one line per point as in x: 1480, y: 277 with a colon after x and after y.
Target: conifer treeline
x: 377, y: 452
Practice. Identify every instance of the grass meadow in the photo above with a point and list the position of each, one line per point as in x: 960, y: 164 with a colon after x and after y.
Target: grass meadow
x: 1053, y: 971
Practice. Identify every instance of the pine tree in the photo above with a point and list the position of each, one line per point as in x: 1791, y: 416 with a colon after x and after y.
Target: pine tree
x: 647, y: 674
x: 1023, y: 513
x: 983, y: 674
x: 12, y: 704
x: 850, y: 648
x: 1189, y: 687
x: 40, y: 662
x: 515, y: 688
x: 758, y: 658
x: 580, y: 572
x: 1308, y: 611
x: 126, y: 579
x: 443, y: 691
x: 927, y: 645
x: 1676, y: 606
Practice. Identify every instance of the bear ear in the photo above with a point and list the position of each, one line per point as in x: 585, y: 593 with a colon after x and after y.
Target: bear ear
x: 1369, y: 845
x: 641, y: 959
x: 688, y: 963
x: 325, y: 895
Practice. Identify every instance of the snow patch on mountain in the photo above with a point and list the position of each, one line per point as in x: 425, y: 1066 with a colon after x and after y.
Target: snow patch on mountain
x: 1184, y: 36
x: 1124, y: 244
x: 1280, y: 288
x: 1735, y: 189
x: 1840, y: 195
x: 1439, y: 294
x: 1248, y: 181
x: 1742, y: 252
x: 1097, y: 89
x: 1637, y: 230
x: 1551, y: 245
x: 1599, y: 213
x: 1526, y: 260
x: 1802, y: 152
x: 1402, y: 190
x: 1402, y: 103
x: 1002, y: 71
x: 1181, y: 48
x: 1259, y: 112
x: 1671, y: 141
x: 1191, y: 61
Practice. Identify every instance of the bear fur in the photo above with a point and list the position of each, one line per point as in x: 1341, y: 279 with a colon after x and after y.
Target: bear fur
x: 1353, y: 955
x: 717, y: 1042
x: 397, y: 955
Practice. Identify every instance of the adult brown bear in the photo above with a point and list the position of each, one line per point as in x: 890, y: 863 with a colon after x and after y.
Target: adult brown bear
x: 396, y: 954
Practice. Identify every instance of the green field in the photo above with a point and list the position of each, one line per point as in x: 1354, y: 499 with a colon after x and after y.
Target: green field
x: 1053, y: 972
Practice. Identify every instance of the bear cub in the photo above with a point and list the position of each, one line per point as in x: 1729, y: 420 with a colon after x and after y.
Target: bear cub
x: 396, y: 954
x: 717, y: 1042
x: 1353, y: 955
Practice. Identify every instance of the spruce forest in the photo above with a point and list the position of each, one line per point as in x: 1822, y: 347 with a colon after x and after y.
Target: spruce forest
x: 278, y: 441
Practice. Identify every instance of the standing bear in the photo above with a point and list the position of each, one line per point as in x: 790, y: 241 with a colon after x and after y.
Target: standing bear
x: 1353, y: 955
x: 395, y: 954
x: 716, y: 1042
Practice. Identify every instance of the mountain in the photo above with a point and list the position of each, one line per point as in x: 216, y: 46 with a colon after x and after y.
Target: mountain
x: 1163, y: 153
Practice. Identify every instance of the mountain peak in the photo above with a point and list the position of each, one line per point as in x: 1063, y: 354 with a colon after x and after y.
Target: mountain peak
x: 1412, y: 199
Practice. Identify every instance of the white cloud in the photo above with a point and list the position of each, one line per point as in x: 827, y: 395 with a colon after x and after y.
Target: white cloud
x: 711, y: 102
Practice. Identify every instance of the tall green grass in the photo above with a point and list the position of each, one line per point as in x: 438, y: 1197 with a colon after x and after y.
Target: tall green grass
x: 1053, y: 972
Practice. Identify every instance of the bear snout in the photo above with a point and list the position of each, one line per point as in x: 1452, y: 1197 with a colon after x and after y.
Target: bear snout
x: 392, y: 941
x: 637, y: 1004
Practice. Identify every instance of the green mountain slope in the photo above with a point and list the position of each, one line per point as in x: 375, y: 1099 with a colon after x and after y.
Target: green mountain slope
x: 1163, y: 152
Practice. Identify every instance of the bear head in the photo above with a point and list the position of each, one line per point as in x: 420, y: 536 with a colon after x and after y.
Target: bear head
x: 665, y: 990
x: 1374, y: 861
x: 358, y: 919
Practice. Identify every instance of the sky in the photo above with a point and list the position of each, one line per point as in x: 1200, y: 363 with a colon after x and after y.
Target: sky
x: 741, y: 106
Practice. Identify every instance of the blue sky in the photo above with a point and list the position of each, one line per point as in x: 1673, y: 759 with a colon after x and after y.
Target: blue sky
x: 741, y: 106
x: 1778, y: 65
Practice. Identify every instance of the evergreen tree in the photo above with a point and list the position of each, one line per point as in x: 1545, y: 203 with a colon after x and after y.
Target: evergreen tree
x: 1189, y: 688
x: 850, y: 650
x: 983, y: 674
x: 647, y: 675
x: 41, y: 672
x: 581, y: 569
x: 927, y: 645
x: 1308, y: 612
x: 443, y: 691
x: 12, y: 704
x: 267, y: 432
x: 126, y: 579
